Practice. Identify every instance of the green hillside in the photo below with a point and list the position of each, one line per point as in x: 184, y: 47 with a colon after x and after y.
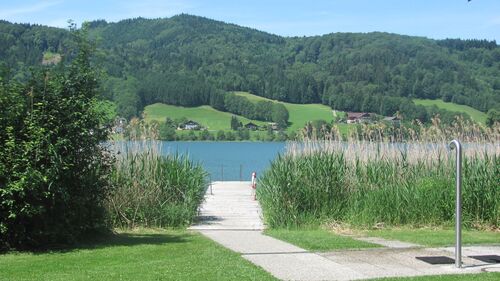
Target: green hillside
x: 188, y: 60
x: 475, y: 114
x: 300, y: 114
x: 205, y: 115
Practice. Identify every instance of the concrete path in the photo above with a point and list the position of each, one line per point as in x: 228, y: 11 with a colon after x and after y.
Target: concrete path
x: 388, y: 243
x: 232, y: 218
x: 229, y: 205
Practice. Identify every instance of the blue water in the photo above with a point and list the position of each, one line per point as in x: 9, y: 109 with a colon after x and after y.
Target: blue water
x: 228, y: 161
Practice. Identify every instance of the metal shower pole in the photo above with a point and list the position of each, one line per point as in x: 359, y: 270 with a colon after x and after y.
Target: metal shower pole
x: 455, y: 144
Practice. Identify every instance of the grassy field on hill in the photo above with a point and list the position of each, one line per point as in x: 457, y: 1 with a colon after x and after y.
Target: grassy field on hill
x: 205, y: 115
x: 300, y: 114
x: 475, y: 114
x: 214, y: 119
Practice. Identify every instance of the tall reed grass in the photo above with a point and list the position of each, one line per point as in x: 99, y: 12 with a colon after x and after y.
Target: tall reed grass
x: 154, y: 190
x: 367, y: 182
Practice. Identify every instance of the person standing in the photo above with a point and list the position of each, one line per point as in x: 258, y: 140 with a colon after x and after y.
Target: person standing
x: 254, y: 185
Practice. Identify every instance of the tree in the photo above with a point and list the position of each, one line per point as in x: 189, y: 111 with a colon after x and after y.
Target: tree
x: 204, y: 135
x: 221, y: 135
x: 492, y: 117
x: 167, y: 131
x: 280, y: 115
x: 243, y: 134
x: 235, y: 124
x: 230, y: 136
x: 53, y: 168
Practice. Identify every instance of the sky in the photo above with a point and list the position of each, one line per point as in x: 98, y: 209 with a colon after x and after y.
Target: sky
x: 438, y: 19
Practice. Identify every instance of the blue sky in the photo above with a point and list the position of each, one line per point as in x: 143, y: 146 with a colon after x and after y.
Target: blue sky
x: 431, y: 18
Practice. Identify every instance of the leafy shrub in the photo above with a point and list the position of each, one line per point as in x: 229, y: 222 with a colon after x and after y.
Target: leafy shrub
x: 52, y: 168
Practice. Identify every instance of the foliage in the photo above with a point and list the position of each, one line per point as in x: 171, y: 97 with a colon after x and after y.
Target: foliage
x: 190, y: 61
x: 299, y: 114
x: 262, y: 110
x: 280, y: 115
x: 153, y: 190
x: 53, y: 170
x: 493, y: 117
x: 326, y: 185
x: 438, y: 131
x: 107, y: 110
x: 235, y: 124
x: 370, y: 179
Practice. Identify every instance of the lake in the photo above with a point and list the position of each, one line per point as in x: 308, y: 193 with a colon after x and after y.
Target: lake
x: 228, y: 161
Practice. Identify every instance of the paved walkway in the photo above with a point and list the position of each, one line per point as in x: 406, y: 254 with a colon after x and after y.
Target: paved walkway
x: 232, y: 218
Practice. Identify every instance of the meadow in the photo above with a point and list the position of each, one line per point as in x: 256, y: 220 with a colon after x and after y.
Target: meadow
x: 475, y: 114
x: 214, y: 119
x: 300, y: 114
x: 207, y: 116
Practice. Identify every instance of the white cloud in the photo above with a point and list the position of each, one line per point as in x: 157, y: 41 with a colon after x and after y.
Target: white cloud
x: 27, y: 9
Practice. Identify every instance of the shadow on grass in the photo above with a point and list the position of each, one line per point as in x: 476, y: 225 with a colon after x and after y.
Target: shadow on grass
x: 109, y: 239
x: 134, y: 239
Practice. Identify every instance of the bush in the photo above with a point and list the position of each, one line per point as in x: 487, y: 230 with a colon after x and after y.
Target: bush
x: 152, y: 190
x: 52, y: 168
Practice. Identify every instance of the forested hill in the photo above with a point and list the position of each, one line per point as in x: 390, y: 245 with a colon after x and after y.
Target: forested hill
x: 187, y: 60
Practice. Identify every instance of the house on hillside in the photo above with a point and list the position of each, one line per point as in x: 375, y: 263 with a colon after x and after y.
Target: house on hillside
x: 273, y: 126
x: 358, y: 117
x: 394, y: 120
x: 119, y: 125
x: 251, y: 126
x: 190, y: 125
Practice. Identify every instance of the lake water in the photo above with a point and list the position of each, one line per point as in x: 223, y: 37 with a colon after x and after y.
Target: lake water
x: 228, y: 161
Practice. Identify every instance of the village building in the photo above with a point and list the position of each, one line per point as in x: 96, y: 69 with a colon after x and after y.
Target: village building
x: 190, y: 125
x: 251, y: 126
x: 273, y: 125
x: 358, y: 117
x: 119, y: 125
x: 394, y: 120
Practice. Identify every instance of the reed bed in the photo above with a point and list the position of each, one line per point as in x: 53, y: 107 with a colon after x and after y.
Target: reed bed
x: 154, y: 190
x: 365, y: 182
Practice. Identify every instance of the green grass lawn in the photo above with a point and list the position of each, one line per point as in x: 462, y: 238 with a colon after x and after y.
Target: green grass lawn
x: 452, y: 277
x: 205, y: 115
x: 300, y: 114
x: 318, y: 239
x: 475, y: 114
x: 436, y: 237
x: 145, y: 255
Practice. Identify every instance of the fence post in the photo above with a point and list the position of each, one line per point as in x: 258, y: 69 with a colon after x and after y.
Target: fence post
x: 211, y: 191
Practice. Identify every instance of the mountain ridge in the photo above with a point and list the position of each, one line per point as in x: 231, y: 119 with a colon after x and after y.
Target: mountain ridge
x: 185, y: 60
